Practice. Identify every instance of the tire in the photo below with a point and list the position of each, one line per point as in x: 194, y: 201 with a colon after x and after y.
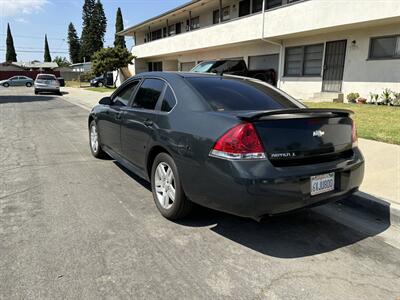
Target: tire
x: 6, y: 85
x: 171, y: 209
x: 28, y: 84
x: 100, y: 84
x: 36, y: 92
x: 95, y: 147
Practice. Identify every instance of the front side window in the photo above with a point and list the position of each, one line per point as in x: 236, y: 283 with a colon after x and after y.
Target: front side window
x: 169, y: 100
x: 231, y: 94
x: 385, y: 47
x: 304, y: 60
x: 123, y: 97
x: 148, y: 94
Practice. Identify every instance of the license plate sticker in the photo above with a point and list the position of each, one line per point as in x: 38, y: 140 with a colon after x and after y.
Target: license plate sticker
x: 322, y: 183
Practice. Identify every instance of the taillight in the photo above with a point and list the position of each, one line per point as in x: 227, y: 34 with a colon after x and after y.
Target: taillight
x: 354, y: 133
x: 240, y: 142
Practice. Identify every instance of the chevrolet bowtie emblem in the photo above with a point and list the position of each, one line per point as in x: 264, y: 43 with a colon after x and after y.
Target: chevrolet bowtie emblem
x: 318, y: 133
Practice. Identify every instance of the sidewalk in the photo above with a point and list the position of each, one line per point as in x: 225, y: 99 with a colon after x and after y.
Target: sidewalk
x: 382, y: 167
x: 83, y: 98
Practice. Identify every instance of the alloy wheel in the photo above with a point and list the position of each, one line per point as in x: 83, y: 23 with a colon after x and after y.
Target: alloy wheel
x: 94, y: 141
x: 165, y: 185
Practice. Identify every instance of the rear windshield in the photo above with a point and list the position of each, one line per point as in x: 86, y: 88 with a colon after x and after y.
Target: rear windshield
x: 231, y: 94
x: 46, y: 77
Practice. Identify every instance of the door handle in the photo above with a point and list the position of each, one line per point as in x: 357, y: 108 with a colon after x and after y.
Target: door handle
x: 148, y: 123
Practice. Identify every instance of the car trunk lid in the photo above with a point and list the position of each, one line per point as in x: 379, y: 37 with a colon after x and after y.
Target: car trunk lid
x: 303, y: 136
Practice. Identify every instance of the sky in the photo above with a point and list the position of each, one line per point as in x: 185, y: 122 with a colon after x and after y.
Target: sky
x: 30, y: 20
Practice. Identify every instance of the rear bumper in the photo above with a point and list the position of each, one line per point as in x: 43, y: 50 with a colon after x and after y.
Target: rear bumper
x: 49, y: 89
x: 254, y: 189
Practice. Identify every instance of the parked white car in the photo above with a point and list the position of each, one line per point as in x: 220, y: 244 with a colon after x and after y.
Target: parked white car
x: 47, y: 83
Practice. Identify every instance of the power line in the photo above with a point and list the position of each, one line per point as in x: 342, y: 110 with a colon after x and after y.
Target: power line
x: 36, y: 51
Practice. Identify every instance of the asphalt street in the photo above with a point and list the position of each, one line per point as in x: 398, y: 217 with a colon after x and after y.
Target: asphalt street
x: 74, y: 227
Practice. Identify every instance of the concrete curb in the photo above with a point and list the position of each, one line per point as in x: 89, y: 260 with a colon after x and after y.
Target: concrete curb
x: 376, y: 206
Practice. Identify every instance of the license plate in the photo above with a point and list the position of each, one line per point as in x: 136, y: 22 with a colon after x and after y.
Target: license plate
x: 322, y: 183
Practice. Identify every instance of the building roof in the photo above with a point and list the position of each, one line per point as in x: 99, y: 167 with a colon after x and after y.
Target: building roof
x: 80, y: 64
x: 128, y: 31
x: 9, y: 66
x: 36, y: 65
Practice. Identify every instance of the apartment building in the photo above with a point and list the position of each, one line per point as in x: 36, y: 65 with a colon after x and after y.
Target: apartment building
x: 319, y: 48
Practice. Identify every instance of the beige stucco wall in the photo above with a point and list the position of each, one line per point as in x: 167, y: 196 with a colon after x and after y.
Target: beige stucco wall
x: 304, y: 18
x: 360, y: 74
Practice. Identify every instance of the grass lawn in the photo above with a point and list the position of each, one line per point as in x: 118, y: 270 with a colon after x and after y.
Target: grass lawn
x: 72, y: 83
x: 101, y: 89
x: 380, y: 123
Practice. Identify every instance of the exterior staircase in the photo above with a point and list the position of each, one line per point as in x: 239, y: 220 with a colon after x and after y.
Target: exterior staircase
x: 327, y: 97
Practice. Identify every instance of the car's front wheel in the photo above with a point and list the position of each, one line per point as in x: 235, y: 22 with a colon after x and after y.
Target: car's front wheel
x: 6, y: 85
x: 28, y: 84
x: 166, y: 185
x: 100, y: 84
x: 95, y: 147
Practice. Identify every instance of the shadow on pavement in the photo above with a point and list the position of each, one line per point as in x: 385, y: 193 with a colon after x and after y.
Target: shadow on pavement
x: 21, y: 99
x: 300, y: 234
x: 138, y: 179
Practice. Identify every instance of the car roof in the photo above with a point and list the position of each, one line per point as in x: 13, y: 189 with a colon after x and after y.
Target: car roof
x: 174, y: 74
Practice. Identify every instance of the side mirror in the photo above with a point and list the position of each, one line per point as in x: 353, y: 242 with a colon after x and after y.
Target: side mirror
x: 105, y: 101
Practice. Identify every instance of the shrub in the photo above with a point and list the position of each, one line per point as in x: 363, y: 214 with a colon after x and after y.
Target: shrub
x: 85, y: 77
x: 352, y: 97
x: 386, y: 96
x: 373, y: 98
x: 396, y: 100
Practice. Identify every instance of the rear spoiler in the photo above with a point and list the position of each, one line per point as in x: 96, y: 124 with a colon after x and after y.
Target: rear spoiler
x: 295, y: 112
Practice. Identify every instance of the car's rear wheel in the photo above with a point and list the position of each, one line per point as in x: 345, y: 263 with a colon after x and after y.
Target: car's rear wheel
x: 28, y: 84
x: 6, y: 84
x: 166, y: 185
x: 95, y: 147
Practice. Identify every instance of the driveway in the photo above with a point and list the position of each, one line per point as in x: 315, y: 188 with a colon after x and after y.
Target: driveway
x: 74, y: 227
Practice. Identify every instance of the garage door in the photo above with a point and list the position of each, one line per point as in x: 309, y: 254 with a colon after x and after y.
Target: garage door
x: 264, y: 62
x: 187, y: 66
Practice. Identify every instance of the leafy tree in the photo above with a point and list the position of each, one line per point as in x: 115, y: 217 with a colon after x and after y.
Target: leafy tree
x: 87, y: 36
x: 111, y: 59
x: 74, y: 44
x: 61, y: 61
x: 11, y: 55
x: 47, y: 56
x: 119, y: 26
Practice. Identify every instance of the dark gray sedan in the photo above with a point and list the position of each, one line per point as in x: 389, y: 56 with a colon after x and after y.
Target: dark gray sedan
x: 17, y: 81
x: 230, y: 143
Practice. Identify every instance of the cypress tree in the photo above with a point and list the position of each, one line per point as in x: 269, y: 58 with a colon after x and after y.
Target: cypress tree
x: 99, y: 26
x: 74, y: 44
x: 47, y: 57
x: 11, y: 55
x: 87, y: 36
x: 119, y: 26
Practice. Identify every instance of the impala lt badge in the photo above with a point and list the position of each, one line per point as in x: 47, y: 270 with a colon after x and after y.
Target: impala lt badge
x: 318, y: 133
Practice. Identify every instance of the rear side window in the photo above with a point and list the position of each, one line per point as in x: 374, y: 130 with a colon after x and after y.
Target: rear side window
x: 46, y: 77
x: 231, y: 94
x: 148, y: 94
x: 169, y: 100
